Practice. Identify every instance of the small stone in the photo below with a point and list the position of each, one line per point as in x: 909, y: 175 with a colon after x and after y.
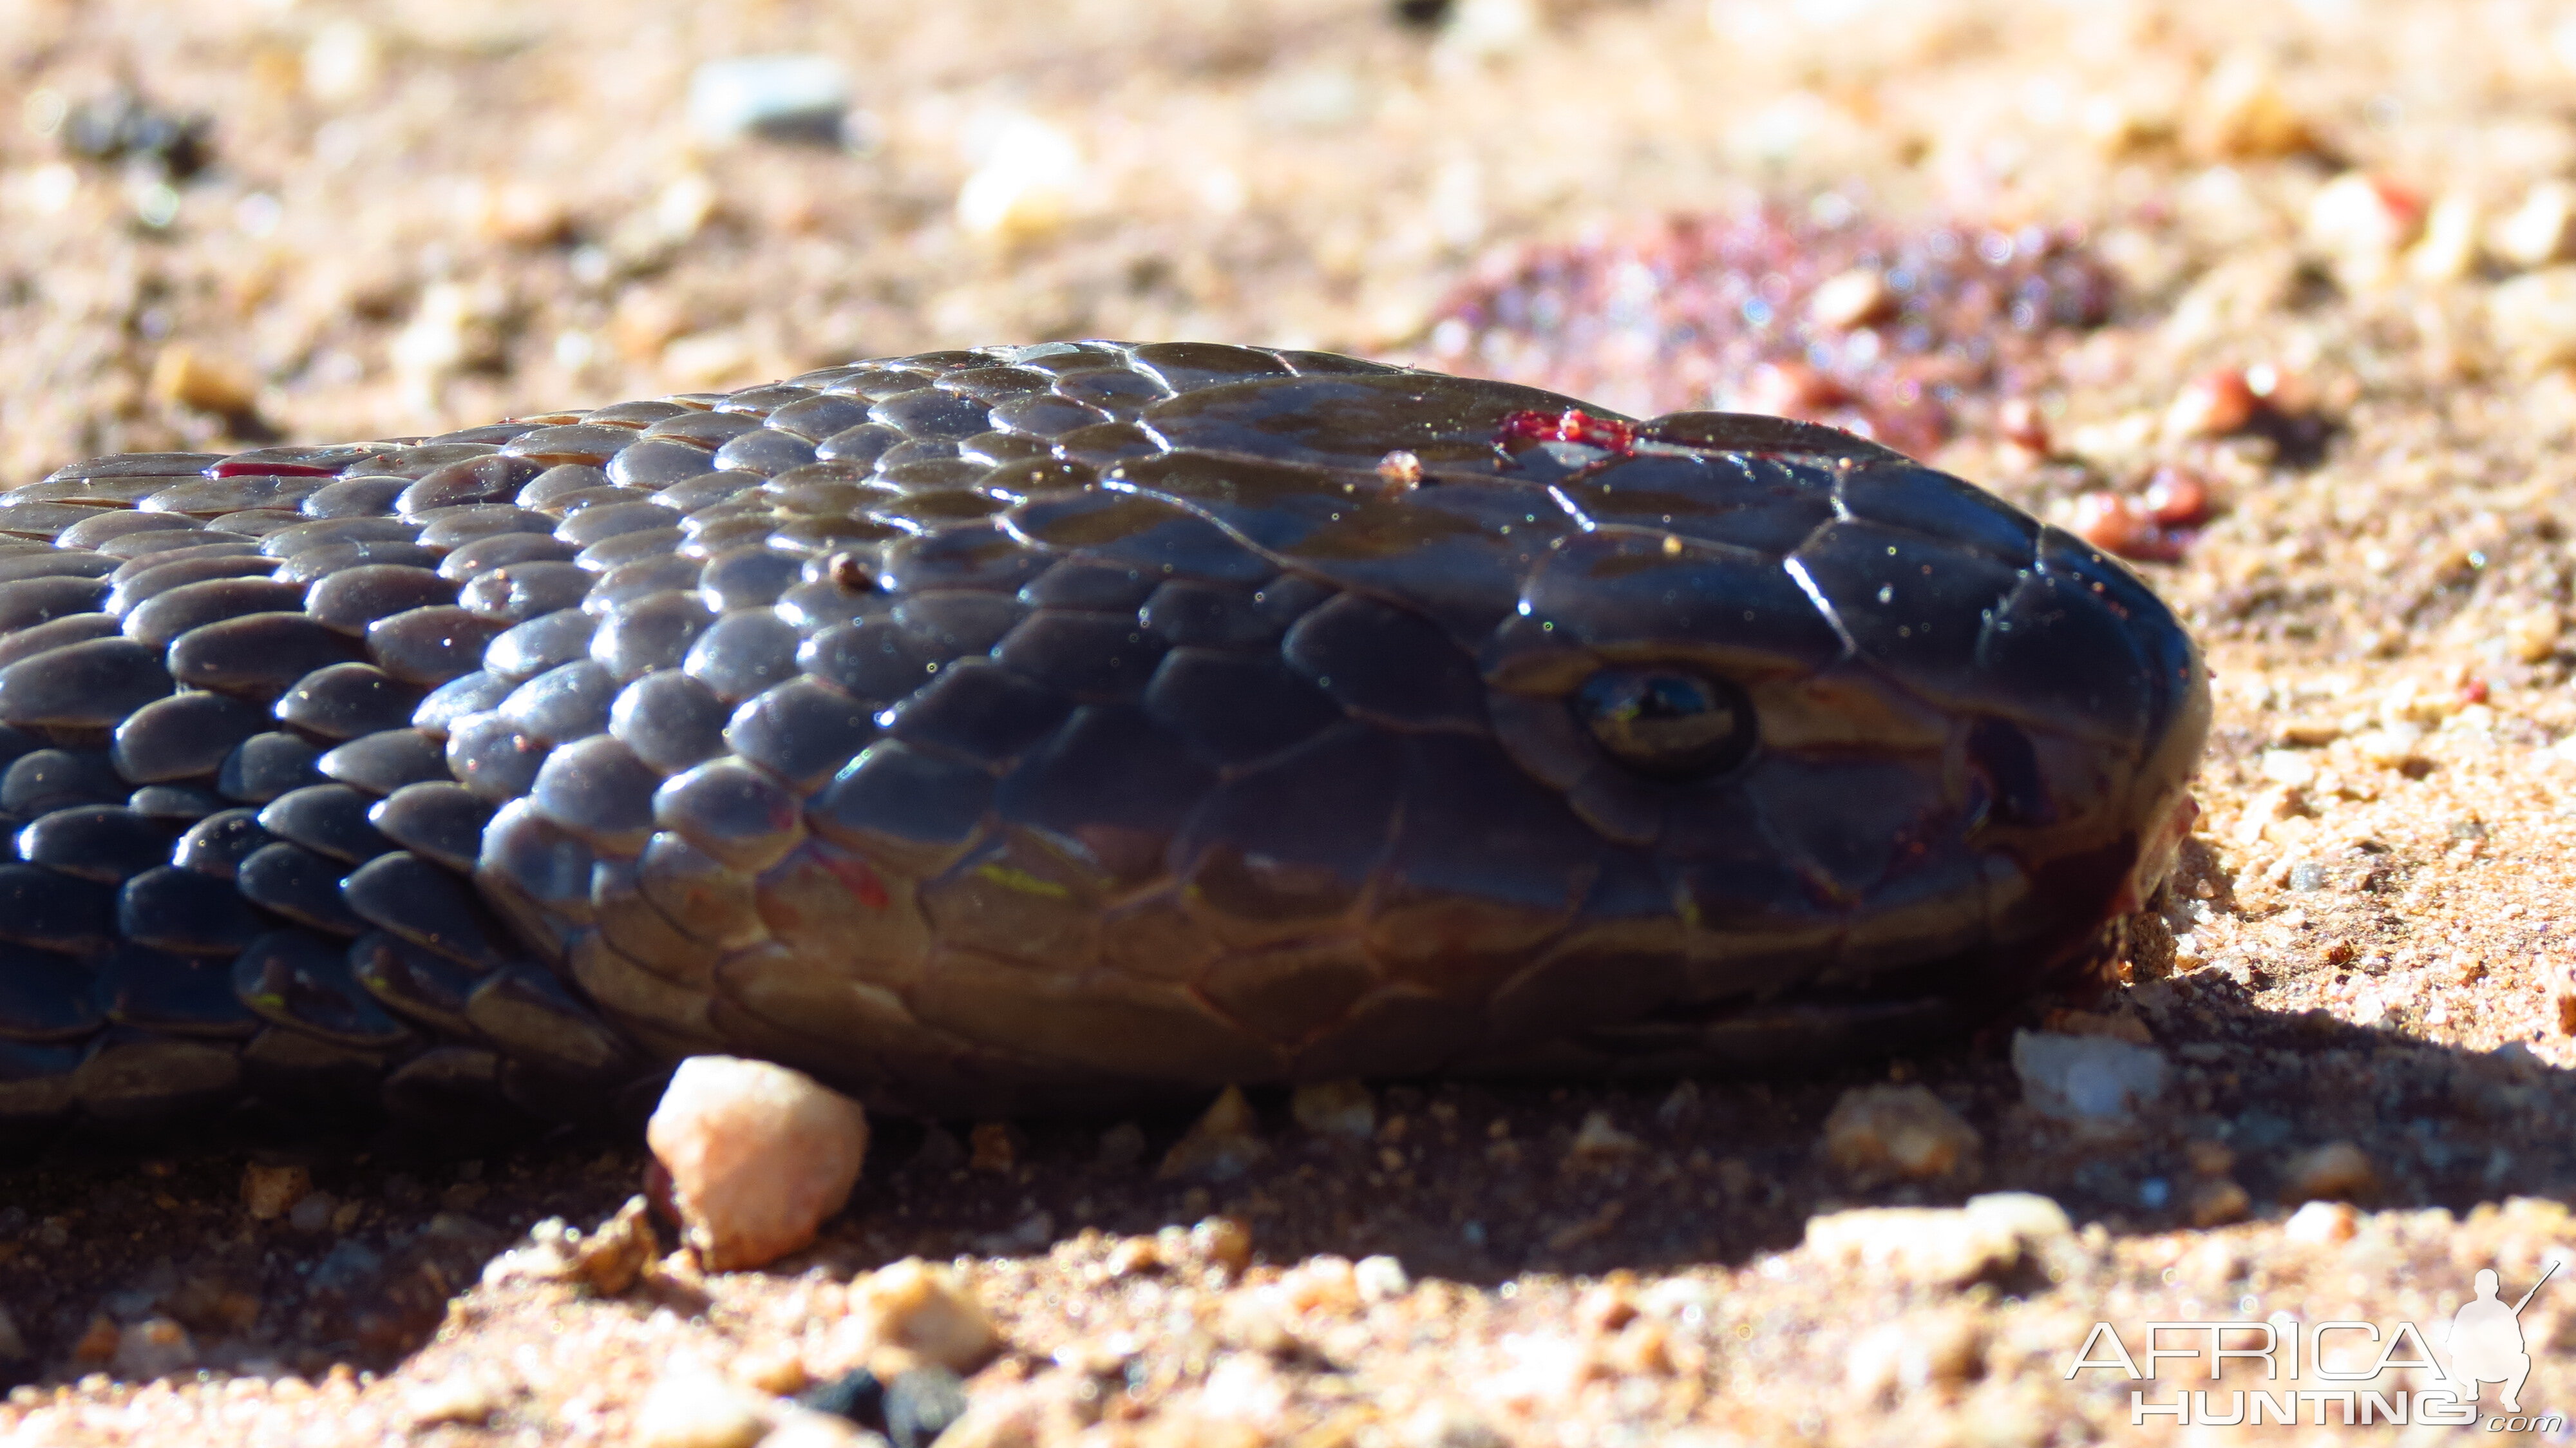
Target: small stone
x: 776, y: 1368
x: 1026, y: 185
x: 2448, y: 249
x: 2214, y: 404
x: 694, y: 1408
x: 1597, y: 1141
x: 611, y: 1257
x: 990, y: 1147
x: 797, y: 1428
x: 1224, y: 1242
x: 153, y: 1348
x: 1896, y: 1360
x: 922, y: 1404
x: 468, y: 1396
x: 2533, y: 317
x: 2361, y: 223
x: 1946, y: 1246
x: 2336, y: 1171
x: 855, y: 1395
x: 1335, y: 1108
x: 2322, y: 1224
x: 2539, y: 231
x: 313, y: 1212
x: 921, y: 1309
x: 1221, y: 1145
x: 1380, y: 1278
x: 521, y: 213
x: 13, y: 1343
x: 455, y: 328
x: 1325, y: 1283
x: 1850, y: 299
x: 185, y: 376
x: 2089, y: 1079
x: 268, y: 1191
x: 2209, y: 1158
x: 1448, y: 1425
x: 2288, y: 768
x: 774, y: 97
x: 98, y: 1341
x: 1890, y: 1133
x: 2241, y: 113
x: 759, y: 1156
x: 1134, y: 1255
x: 343, y: 61
x: 2216, y: 1202
x: 1254, y: 1322
x: 2533, y: 636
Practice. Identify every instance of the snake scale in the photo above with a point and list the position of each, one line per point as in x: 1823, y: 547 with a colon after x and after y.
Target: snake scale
x: 1043, y: 728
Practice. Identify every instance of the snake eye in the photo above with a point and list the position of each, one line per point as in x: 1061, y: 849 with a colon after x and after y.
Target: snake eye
x: 1667, y: 721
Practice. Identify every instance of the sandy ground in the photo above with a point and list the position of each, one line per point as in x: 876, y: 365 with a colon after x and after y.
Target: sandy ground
x: 417, y: 216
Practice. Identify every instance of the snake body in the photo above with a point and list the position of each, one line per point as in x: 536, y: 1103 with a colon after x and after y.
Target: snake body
x: 1042, y: 728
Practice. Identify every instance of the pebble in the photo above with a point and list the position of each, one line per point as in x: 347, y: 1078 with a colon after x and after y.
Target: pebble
x: 312, y: 1212
x: 185, y: 376
x: 759, y: 1156
x: 797, y: 1428
x: 2241, y: 113
x: 1597, y: 1141
x: 2322, y: 1224
x: 2215, y: 1203
x: 1221, y: 1145
x: 2539, y: 231
x: 1025, y: 186
x: 1942, y: 1246
x: 2448, y: 250
x: 2213, y: 404
x: 1380, y: 1278
x: 267, y: 1192
x: 694, y: 1408
x: 152, y: 1348
x: 774, y: 97
x: 2533, y: 317
x: 2336, y: 1171
x: 1895, y: 1360
x: 1335, y: 1108
x: 613, y: 1256
x: 468, y: 1397
x: 1849, y: 299
x: 1888, y: 1133
x: 2090, y: 1079
x: 2361, y: 224
x: 343, y: 62
x: 920, y: 1309
x: 922, y: 1404
x: 13, y: 1343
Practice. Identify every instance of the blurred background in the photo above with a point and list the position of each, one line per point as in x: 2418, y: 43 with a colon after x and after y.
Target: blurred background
x: 309, y: 218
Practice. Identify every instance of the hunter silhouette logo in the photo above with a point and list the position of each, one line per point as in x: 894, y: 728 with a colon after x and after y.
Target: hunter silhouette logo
x: 2486, y: 1340
x: 2287, y: 1369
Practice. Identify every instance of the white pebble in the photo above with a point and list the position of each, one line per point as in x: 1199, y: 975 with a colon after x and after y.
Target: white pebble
x: 2086, y: 1078
x: 1380, y: 1279
x: 758, y: 1155
x: 1944, y: 1246
x: 693, y: 1408
x: 1025, y: 186
x: 780, y: 97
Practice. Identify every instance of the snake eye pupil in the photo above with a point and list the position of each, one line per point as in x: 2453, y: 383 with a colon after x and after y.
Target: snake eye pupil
x: 1667, y: 721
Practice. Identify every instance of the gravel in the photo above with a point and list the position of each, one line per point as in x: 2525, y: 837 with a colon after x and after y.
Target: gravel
x: 465, y: 210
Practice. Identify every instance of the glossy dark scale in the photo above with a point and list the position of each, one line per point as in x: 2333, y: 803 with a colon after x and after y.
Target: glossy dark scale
x: 1040, y: 728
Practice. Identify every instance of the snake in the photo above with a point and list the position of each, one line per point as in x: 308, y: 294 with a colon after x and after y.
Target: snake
x: 1048, y: 728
